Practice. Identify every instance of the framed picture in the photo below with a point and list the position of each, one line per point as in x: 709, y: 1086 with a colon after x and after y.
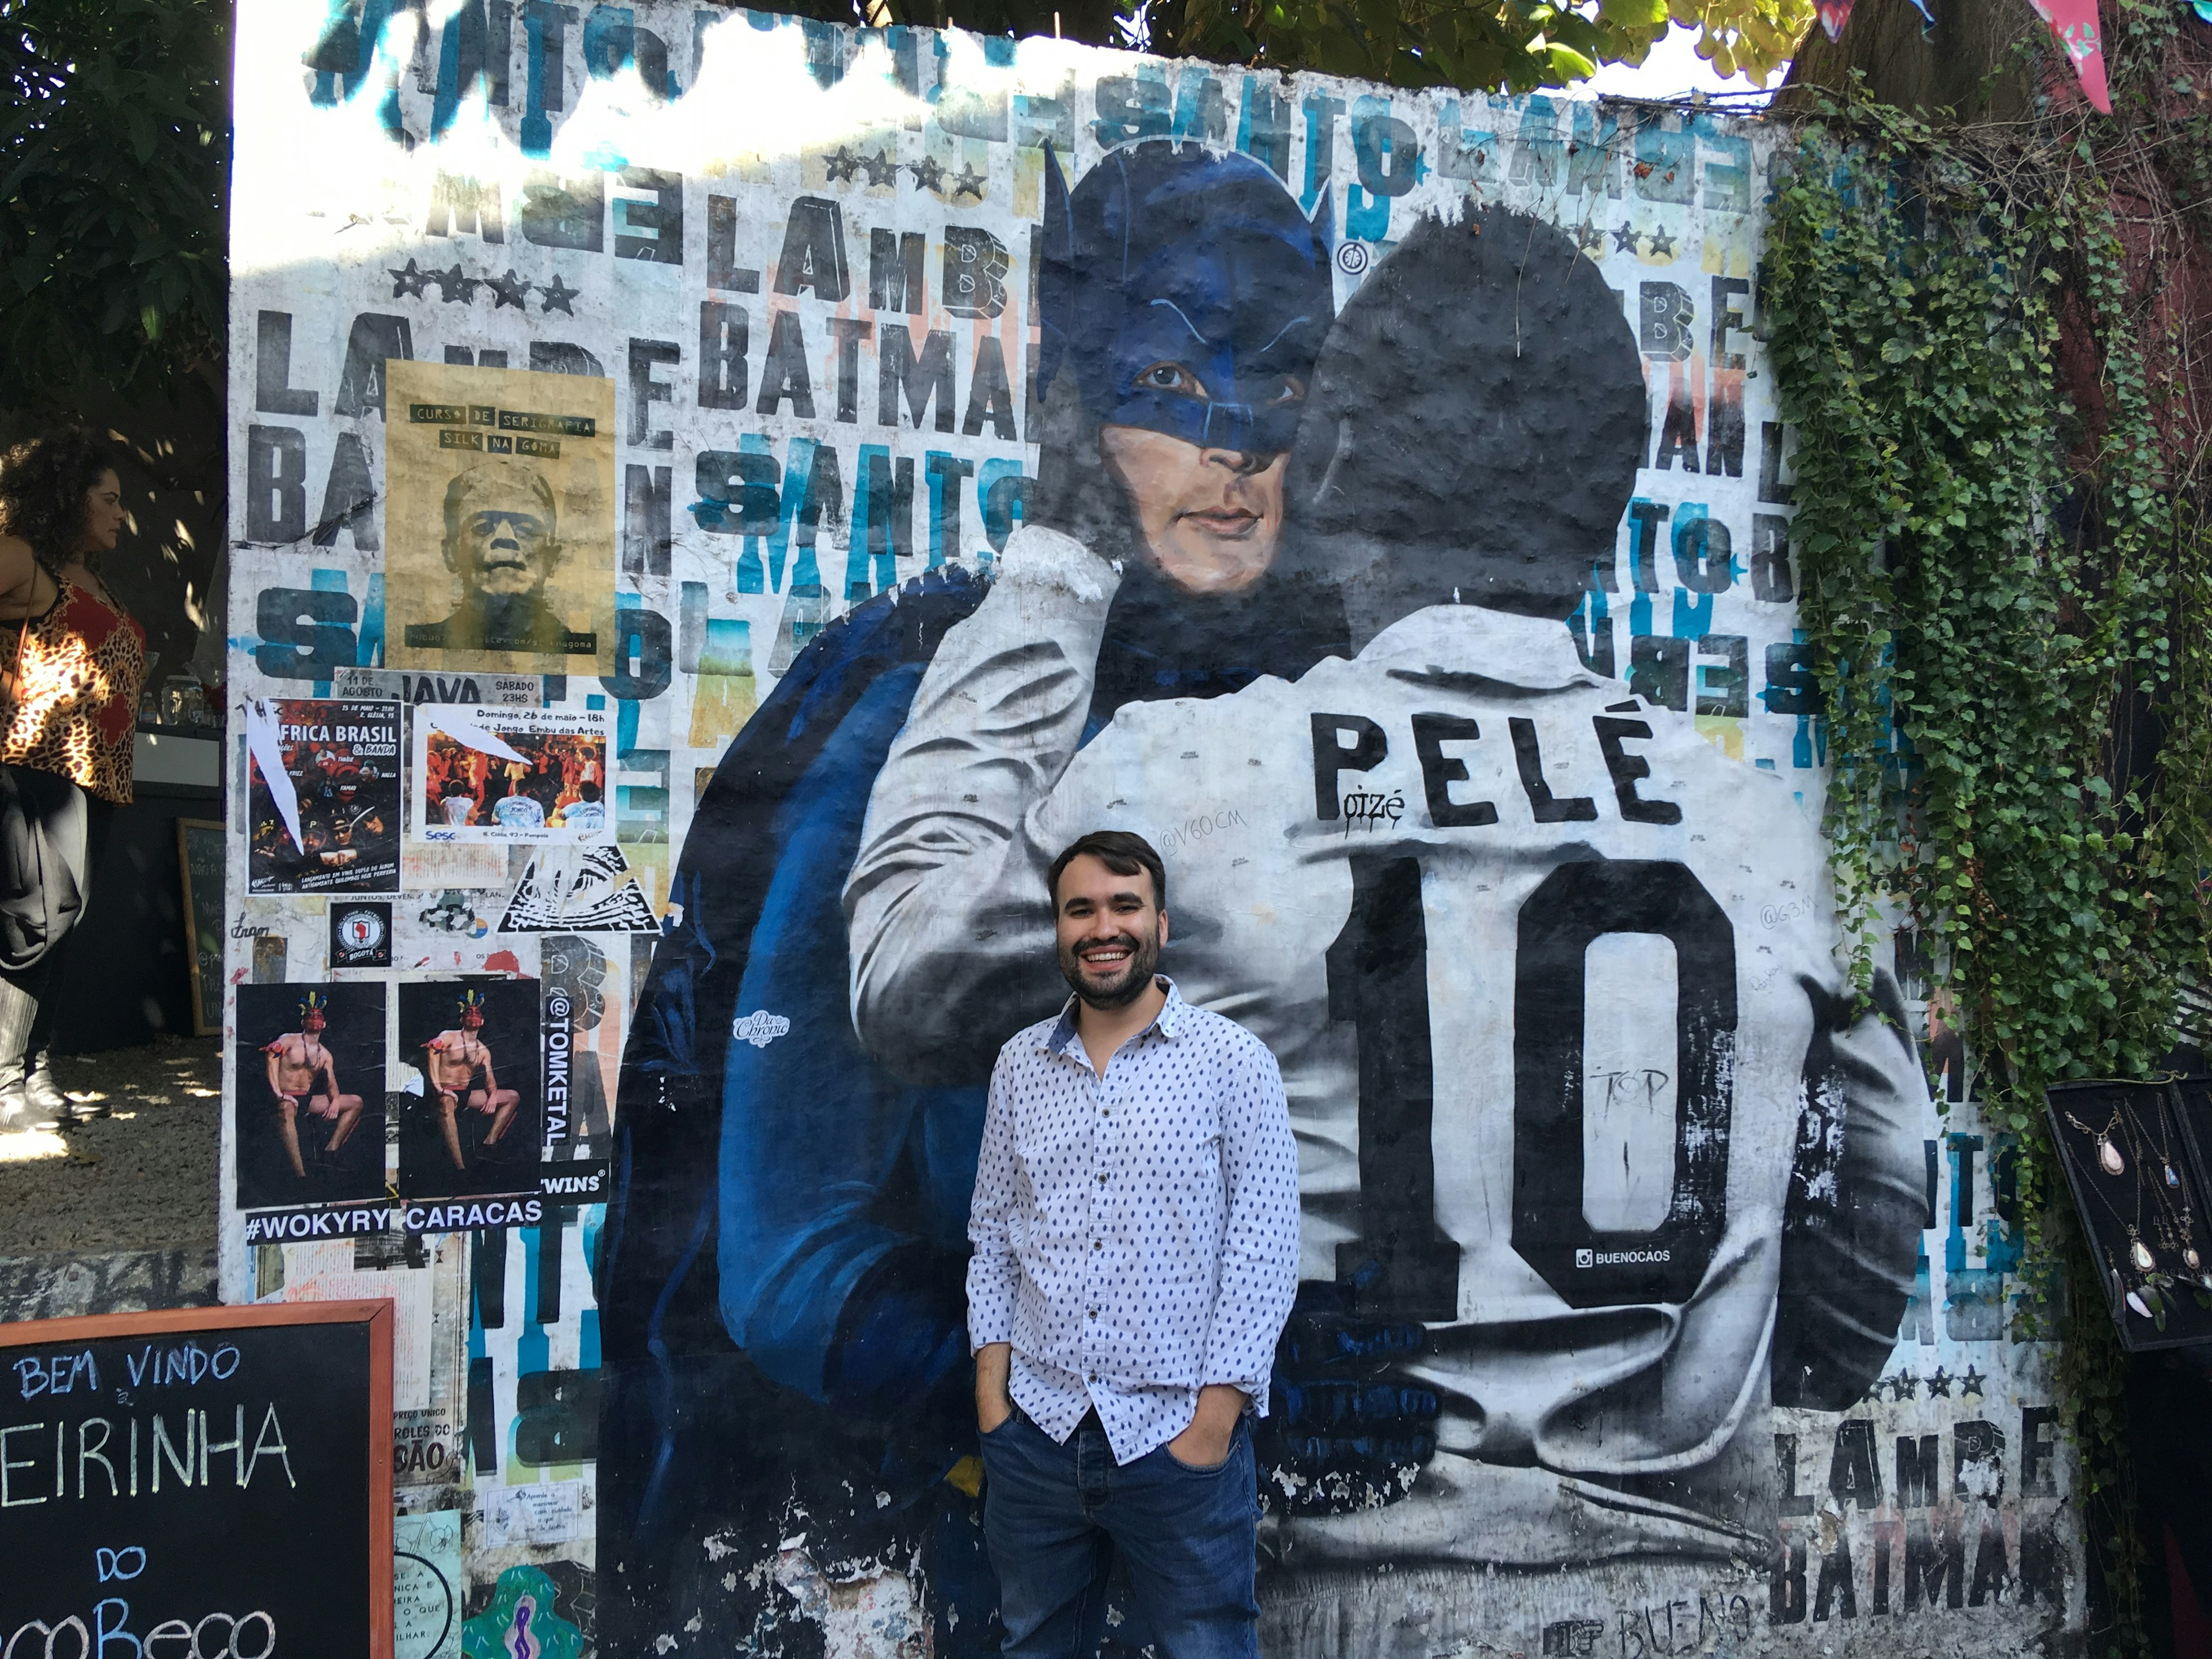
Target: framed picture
x: 2130, y: 1161
x: 199, y: 862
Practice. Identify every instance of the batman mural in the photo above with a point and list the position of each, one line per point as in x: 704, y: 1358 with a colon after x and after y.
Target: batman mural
x: 785, y: 1322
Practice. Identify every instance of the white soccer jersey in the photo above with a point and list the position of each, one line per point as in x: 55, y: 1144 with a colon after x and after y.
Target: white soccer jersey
x: 1543, y: 969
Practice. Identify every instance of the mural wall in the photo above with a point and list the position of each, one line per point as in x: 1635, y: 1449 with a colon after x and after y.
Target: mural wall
x: 719, y: 500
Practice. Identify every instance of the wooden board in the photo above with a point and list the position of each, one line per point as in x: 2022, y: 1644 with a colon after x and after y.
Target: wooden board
x: 199, y: 862
x: 226, y: 1470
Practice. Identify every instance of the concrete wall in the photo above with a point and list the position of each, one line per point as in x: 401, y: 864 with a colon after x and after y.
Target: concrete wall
x: 1650, y: 1306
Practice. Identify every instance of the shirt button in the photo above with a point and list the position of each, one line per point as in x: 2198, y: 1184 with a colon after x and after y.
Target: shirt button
x: 1094, y: 1313
x: 1101, y: 1180
x: 1097, y: 1244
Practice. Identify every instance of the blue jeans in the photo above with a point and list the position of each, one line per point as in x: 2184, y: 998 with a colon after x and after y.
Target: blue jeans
x: 1054, y: 1515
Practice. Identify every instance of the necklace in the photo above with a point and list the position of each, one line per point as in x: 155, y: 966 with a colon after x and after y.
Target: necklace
x: 2108, y: 1155
x: 2175, y: 1200
x: 2165, y: 1144
x: 2139, y: 1253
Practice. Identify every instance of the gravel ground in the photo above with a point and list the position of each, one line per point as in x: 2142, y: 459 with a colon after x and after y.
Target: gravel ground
x: 142, y: 1178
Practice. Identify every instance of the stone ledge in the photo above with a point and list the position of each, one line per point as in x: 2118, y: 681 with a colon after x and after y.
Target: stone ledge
x: 105, y: 1281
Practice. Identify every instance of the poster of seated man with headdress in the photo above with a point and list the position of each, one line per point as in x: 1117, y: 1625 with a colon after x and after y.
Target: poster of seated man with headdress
x: 309, y: 1103
x: 469, y: 1122
x: 500, y: 518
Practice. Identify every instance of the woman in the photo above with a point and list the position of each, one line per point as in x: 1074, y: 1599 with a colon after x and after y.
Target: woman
x: 72, y: 662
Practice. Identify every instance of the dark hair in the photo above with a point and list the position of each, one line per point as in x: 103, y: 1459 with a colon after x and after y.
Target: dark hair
x: 1119, y: 851
x: 587, y: 791
x: 43, y: 482
x: 1501, y: 348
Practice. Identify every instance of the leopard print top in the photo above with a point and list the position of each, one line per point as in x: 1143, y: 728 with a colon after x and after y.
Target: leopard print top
x: 76, y: 708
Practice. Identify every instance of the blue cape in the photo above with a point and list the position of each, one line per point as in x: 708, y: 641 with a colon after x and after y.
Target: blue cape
x: 744, y: 1213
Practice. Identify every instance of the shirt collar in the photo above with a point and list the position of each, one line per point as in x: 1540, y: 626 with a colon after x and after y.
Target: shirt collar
x: 1541, y: 650
x: 1168, y: 1022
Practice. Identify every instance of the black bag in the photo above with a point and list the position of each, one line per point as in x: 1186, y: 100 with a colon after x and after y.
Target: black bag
x: 43, y: 822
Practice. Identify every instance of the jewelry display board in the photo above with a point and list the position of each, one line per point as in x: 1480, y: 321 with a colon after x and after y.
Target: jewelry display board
x: 2139, y: 1185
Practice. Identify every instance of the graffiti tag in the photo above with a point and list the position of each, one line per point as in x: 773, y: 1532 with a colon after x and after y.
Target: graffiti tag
x: 1371, y: 809
x: 760, y: 1027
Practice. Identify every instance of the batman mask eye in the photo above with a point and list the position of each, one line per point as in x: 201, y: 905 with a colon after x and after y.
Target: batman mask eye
x: 1171, y: 378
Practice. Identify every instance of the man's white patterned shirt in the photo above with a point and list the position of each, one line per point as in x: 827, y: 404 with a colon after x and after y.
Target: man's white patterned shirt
x: 1136, y: 1235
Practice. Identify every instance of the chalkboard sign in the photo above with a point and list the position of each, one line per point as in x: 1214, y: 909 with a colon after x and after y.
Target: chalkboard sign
x: 199, y: 862
x: 214, y: 1481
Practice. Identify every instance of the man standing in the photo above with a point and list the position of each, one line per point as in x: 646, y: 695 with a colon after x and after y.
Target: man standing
x: 1136, y: 1231
x: 587, y: 812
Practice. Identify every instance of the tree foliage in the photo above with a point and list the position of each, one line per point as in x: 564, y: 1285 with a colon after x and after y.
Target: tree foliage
x: 1518, y: 45
x: 112, y: 150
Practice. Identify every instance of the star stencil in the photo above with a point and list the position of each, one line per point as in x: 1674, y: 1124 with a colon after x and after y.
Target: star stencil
x: 1941, y: 1383
x: 881, y: 169
x: 1662, y: 241
x: 928, y: 173
x: 508, y: 290
x: 410, y: 281
x: 453, y: 286
x: 970, y: 181
x: 1971, y: 1383
x: 840, y: 164
x: 1623, y: 240
x: 555, y: 295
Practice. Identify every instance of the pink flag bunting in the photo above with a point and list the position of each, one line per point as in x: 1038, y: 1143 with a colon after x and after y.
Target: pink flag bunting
x: 1834, y: 13
x: 2074, y: 23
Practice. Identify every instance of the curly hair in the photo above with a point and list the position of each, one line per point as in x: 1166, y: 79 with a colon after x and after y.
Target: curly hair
x: 43, y: 483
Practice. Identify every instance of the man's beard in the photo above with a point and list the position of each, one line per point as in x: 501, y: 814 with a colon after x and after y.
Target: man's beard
x: 1136, y: 974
